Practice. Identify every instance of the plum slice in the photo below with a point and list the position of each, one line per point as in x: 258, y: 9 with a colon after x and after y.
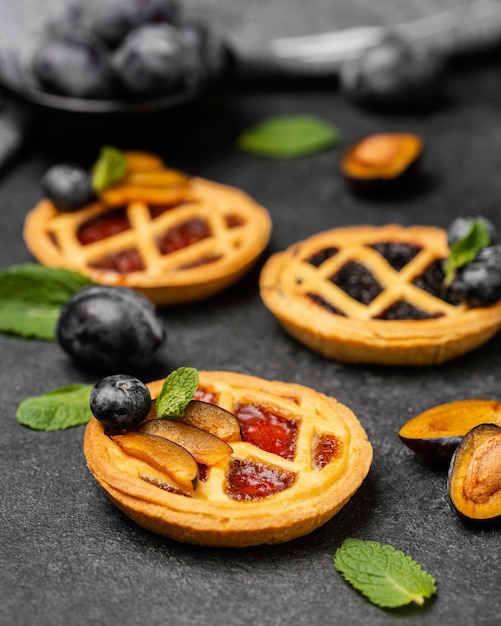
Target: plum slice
x: 437, y: 432
x: 213, y: 419
x: 206, y: 448
x: 162, y: 454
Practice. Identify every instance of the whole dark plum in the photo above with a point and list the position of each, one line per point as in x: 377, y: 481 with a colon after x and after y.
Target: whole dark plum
x: 479, y: 282
x: 110, y: 328
x: 393, y: 73
x: 68, y: 186
x: 460, y: 226
x: 112, y: 20
x: 207, y: 56
x: 151, y: 61
x: 120, y: 402
x: 74, y: 64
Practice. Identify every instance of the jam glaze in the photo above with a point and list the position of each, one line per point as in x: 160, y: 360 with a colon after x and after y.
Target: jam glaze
x: 116, y: 221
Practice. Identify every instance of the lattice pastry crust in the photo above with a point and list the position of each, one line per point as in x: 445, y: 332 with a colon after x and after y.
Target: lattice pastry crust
x: 209, y: 515
x: 301, y: 287
x: 172, y: 237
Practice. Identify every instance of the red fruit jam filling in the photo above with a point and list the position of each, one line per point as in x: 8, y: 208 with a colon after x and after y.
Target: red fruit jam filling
x: 266, y: 430
x: 103, y: 226
x: 325, y: 448
x: 356, y: 280
x: 232, y: 221
x: 122, y: 262
x: 251, y: 480
x: 183, y: 235
x: 205, y: 396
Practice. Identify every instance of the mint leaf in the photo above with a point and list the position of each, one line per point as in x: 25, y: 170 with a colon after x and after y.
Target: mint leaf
x: 58, y: 409
x: 178, y: 389
x: 465, y: 249
x: 386, y: 576
x: 31, y: 297
x: 109, y: 168
x: 286, y: 137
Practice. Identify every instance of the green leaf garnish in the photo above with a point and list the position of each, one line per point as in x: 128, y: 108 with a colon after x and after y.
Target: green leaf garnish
x: 386, y: 576
x: 287, y: 137
x: 110, y: 167
x: 31, y: 297
x: 178, y: 389
x: 465, y: 249
x: 58, y: 409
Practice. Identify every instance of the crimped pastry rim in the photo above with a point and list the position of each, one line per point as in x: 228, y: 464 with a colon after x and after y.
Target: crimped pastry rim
x: 275, y: 519
x: 378, y: 341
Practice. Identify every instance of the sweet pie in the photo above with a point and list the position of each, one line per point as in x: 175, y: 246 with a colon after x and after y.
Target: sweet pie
x: 172, y: 237
x: 297, y: 458
x: 367, y: 294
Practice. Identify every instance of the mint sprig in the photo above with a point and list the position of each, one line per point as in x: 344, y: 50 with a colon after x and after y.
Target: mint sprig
x: 386, y: 576
x: 177, y: 391
x: 58, y: 409
x: 31, y: 297
x: 465, y: 249
x: 110, y: 167
x: 289, y: 136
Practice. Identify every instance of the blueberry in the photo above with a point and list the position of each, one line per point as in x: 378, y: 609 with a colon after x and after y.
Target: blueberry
x: 151, y: 61
x: 68, y: 186
x: 460, y: 226
x: 110, y: 329
x: 479, y: 282
x: 392, y: 73
x: 120, y: 402
x: 74, y: 64
x: 112, y: 20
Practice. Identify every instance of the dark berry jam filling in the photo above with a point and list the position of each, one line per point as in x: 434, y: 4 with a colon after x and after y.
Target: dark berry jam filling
x: 432, y: 281
x: 322, y: 255
x: 183, y: 235
x: 324, y: 304
x: 402, y: 310
x: 122, y: 262
x: 356, y: 280
x: 397, y: 254
x: 103, y: 226
x: 266, y: 430
x: 326, y: 447
x: 251, y: 480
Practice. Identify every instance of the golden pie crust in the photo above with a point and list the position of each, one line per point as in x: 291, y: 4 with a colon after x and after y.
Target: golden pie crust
x: 157, y: 201
x: 292, y: 287
x: 210, y: 516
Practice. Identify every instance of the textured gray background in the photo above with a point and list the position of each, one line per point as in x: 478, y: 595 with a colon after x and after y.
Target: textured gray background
x: 68, y: 557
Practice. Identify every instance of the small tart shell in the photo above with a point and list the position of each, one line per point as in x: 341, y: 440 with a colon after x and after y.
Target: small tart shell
x: 210, y: 517
x: 194, y: 272
x: 287, y: 278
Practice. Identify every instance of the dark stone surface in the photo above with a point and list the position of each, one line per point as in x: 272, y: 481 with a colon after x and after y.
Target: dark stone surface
x: 67, y: 556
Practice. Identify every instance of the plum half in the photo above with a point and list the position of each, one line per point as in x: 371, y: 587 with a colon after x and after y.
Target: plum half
x: 382, y: 158
x: 437, y: 432
x: 475, y: 475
